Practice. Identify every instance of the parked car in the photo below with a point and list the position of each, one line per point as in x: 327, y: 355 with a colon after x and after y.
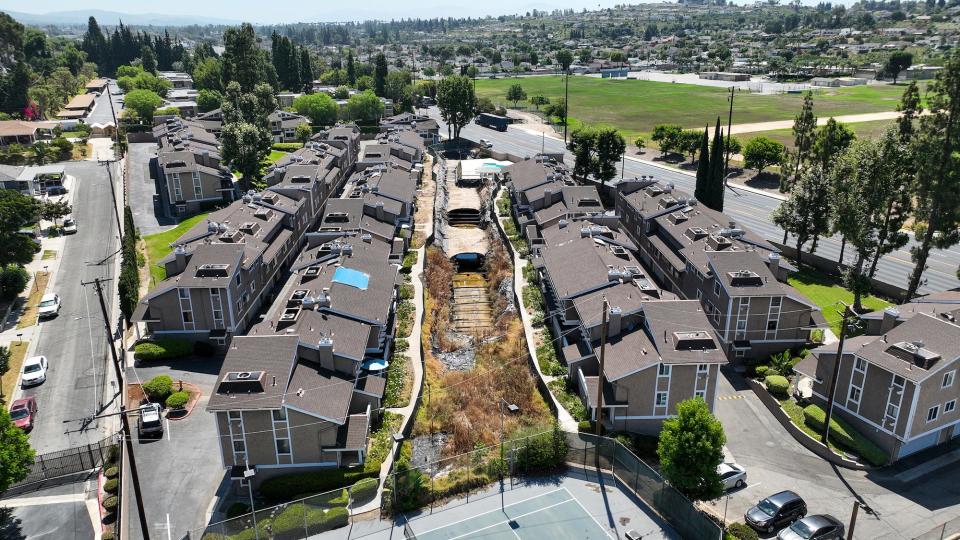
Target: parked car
x: 49, y: 306
x: 69, y: 226
x: 817, y: 527
x: 484, y: 143
x: 150, y: 423
x: 732, y: 475
x: 55, y: 190
x: 34, y: 371
x: 23, y: 412
x: 776, y: 511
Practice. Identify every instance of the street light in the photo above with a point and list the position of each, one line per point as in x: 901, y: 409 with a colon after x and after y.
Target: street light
x: 248, y: 475
x: 513, y: 409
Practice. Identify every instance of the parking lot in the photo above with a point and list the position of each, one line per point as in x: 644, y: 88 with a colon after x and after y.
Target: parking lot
x: 775, y: 462
x: 181, y: 471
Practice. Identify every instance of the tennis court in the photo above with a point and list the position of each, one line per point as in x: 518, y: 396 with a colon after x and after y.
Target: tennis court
x: 555, y: 514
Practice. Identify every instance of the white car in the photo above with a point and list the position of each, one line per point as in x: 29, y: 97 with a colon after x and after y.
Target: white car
x: 69, y: 226
x: 34, y: 371
x: 49, y: 306
x: 484, y: 143
x: 732, y: 475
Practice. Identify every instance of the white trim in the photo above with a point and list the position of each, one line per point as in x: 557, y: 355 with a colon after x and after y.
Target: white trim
x: 907, y: 433
x: 325, y: 464
x: 953, y: 376
x: 315, y: 415
x: 936, y: 413
x: 953, y: 406
x: 857, y: 415
x: 654, y: 417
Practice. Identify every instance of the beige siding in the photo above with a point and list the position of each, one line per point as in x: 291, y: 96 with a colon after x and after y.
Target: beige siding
x: 931, y: 394
x: 258, y: 429
x: 308, y: 435
x: 223, y: 430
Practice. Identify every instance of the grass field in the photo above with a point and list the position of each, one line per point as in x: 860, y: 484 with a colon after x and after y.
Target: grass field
x: 864, y: 130
x: 18, y: 351
x: 158, y: 245
x: 826, y: 292
x: 636, y: 106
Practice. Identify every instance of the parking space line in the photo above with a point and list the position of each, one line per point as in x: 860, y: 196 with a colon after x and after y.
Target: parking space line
x: 168, y: 527
x: 167, y: 420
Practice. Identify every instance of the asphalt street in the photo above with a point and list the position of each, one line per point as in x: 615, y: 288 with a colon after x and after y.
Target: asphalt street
x: 142, y: 188
x: 74, y: 342
x: 775, y: 461
x: 101, y: 113
x: 55, y: 513
x: 747, y: 208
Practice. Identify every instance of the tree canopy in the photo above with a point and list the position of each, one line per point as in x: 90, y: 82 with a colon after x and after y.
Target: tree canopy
x: 457, y: 102
x: 319, y: 107
x: 691, y: 448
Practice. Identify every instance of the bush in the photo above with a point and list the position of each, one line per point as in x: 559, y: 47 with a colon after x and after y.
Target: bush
x: 13, y: 281
x: 585, y: 426
x: 237, y: 509
x: 777, y: 385
x: 742, y: 531
x: 111, y: 485
x: 162, y: 349
x: 761, y: 371
x: 110, y: 503
x: 287, y: 146
x: 364, y: 490
x: 845, y: 435
x: 158, y: 388
x: 112, y: 472
x: 108, y: 535
x: 178, y: 400
x: 204, y: 348
x: 282, y: 488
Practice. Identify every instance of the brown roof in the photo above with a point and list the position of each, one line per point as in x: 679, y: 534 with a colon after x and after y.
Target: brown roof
x: 937, y: 343
x: 273, y: 355
x: 21, y: 128
x: 681, y: 333
x: 319, y: 392
x: 81, y: 101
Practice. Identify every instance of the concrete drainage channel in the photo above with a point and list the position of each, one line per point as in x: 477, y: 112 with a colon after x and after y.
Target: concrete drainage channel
x: 472, y: 310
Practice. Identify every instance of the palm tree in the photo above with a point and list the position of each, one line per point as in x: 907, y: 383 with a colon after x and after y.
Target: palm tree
x: 41, y: 151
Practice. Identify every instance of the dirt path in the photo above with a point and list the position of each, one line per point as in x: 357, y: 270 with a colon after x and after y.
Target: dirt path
x: 787, y: 124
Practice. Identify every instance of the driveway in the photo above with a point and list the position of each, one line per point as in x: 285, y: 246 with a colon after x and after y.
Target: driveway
x: 69, y: 511
x: 775, y: 462
x: 142, y: 190
x: 180, y: 472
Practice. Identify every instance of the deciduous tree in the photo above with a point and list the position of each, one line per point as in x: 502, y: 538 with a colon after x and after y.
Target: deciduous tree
x: 516, y: 94
x: 319, y: 107
x: 16, y: 455
x: 805, y: 212
x: 143, y: 102
x: 691, y: 448
x: 897, y: 62
x: 761, y: 153
x: 457, y: 102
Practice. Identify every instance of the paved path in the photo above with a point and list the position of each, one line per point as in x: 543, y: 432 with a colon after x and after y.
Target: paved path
x: 787, y: 124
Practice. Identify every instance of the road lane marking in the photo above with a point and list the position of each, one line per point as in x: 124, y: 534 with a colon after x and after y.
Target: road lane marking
x: 39, y: 501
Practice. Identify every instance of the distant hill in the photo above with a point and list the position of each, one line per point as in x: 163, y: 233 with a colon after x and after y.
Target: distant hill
x: 111, y: 18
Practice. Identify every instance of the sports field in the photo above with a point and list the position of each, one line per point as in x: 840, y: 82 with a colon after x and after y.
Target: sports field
x: 636, y: 106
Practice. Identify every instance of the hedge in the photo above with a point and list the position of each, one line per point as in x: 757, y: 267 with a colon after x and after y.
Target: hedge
x: 283, y: 488
x: 777, y: 385
x: 287, y: 146
x: 845, y: 435
x: 158, y: 388
x: 108, y: 535
x: 112, y: 472
x: 742, y: 531
x: 110, y: 503
x: 237, y: 509
x: 364, y: 489
x: 111, y: 485
x: 162, y: 349
x: 177, y: 400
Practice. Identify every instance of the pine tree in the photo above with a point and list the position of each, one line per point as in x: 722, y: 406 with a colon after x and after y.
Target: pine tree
x: 702, y: 190
x: 804, y: 128
x: 804, y: 213
x: 306, y: 70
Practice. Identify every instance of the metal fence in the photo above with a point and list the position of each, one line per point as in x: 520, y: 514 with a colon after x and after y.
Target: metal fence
x: 417, y: 486
x: 609, y: 455
x: 54, y: 465
x: 950, y: 529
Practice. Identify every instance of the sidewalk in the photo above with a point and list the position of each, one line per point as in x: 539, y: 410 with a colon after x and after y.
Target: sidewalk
x: 567, y: 423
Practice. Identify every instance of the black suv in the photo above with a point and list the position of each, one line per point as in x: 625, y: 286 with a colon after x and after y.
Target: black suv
x: 776, y: 511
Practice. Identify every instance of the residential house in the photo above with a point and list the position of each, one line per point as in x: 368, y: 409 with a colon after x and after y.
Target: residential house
x: 283, y: 125
x: 78, y: 107
x: 188, y: 168
x: 24, y: 132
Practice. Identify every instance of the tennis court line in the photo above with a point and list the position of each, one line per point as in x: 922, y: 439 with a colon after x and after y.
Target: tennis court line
x: 474, y: 516
x: 587, y: 512
x: 537, y: 511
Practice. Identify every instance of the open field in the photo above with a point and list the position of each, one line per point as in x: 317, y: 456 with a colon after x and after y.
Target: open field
x: 158, y: 245
x: 636, y: 106
x: 864, y: 130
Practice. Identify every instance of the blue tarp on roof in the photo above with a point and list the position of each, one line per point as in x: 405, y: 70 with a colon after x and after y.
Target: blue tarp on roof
x: 351, y: 277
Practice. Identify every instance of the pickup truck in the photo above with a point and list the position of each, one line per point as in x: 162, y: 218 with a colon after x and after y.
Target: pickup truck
x: 150, y: 423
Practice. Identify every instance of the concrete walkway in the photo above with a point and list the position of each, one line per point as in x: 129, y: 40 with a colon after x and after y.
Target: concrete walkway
x: 423, y: 224
x: 567, y: 423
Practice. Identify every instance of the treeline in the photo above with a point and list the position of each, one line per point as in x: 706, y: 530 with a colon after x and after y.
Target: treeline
x: 112, y: 50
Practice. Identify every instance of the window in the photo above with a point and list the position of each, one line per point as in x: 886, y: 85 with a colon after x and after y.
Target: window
x: 664, y: 370
x: 184, y: 293
x: 771, y: 326
x: 716, y: 288
x: 219, y: 341
x: 741, y: 325
x: 740, y: 353
x: 775, y: 301
x: 279, y: 415
x: 197, y: 187
x: 661, y: 399
x: 699, y: 294
x: 233, y: 415
x: 702, y: 394
x: 239, y: 446
x: 948, y: 379
x: 949, y: 406
x: 187, y: 316
x: 860, y: 364
x: 854, y: 394
x: 703, y: 368
x: 933, y: 413
x: 283, y: 446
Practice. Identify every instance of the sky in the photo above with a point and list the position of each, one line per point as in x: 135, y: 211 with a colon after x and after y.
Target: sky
x: 258, y: 11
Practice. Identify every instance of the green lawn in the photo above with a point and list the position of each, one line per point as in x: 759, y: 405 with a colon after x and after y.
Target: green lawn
x: 158, y: 245
x: 864, y: 130
x: 826, y: 292
x: 636, y: 106
x: 275, y: 156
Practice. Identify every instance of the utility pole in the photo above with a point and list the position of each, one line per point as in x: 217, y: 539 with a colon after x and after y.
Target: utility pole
x: 566, y: 105
x: 603, y: 347
x: 853, y: 519
x: 125, y: 432
x: 113, y: 193
x: 726, y: 161
x: 836, y: 372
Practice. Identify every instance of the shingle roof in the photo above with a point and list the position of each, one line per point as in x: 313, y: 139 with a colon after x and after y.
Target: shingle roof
x: 274, y: 355
x: 940, y: 339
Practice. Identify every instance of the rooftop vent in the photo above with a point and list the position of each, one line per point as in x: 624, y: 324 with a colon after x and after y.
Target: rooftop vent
x: 745, y: 278
x: 212, y: 271
x: 677, y: 217
x: 695, y: 233
x: 235, y: 382
x: 914, y: 352
x: 718, y: 243
x: 250, y: 227
x: 697, y: 340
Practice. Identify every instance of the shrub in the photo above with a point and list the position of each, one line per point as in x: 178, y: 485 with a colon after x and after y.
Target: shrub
x: 204, y: 348
x: 108, y: 535
x: 287, y: 146
x: 111, y: 485
x: 281, y: 488
x: 761, y: 371
x: 336, y: 517
x: 158, y: 388
x: 364, y: 490
x: 162, y: 349
x: 112, y: 472
x: 178, y: 400
x: 777, y: 385
x: 237, y: 509
x: 110, y: 503
x: 585, y: 426
x: 13, y: 281
x: 742, y: 531
x: 845, y: 435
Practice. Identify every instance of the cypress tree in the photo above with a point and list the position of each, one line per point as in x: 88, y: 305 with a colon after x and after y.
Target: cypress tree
x: 716, y: 187
x: 702, y: 191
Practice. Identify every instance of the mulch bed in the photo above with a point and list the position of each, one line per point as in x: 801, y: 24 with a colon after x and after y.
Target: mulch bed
x: 136, y: 397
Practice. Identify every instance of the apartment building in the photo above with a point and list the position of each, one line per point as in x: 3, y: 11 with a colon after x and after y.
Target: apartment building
x: 427, y: 128
x: 314, y: 173
x: 739, y: 278
x: 898, y: 389
x: 943, y: 305
x: 282, y: 124
x: 188, y: 168
x: 528, y: 183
